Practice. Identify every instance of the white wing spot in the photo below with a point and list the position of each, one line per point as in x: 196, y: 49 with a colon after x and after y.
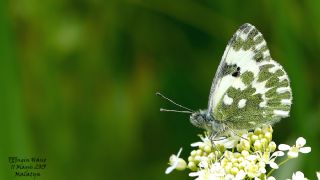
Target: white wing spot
x: 244, y: 60
x: 281, y: 113
x: 286, y: 101
x: 281, y: 78
x: 260, y: 87
x: 274, y: 69
x: 244, y: 36
x: 242, y: 103
x: 227, y: 100
x: 282, y: 89
x: 263, y: 104
x: 239, y: 84
x: 259, y: 46
x: 266, y: 54
x: 223, y: 84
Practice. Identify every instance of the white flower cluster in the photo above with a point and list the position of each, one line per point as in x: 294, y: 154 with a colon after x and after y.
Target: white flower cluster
x: 247, y: 157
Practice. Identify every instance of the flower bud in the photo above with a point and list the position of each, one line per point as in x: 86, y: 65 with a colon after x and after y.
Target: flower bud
x: 257, y: 131
x: 272, y: 146
x: 268, y: 136
x: 192, y: 166
x: 257, y: 145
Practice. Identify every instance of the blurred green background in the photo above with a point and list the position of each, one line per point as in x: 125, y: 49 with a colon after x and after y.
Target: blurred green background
x: 78, y: 80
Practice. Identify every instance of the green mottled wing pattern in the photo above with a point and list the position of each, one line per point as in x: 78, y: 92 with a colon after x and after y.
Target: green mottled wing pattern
x: 249, y: 88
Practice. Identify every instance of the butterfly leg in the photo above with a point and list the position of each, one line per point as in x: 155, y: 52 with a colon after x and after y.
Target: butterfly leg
x: 212, y: 137
x: 235, y: 133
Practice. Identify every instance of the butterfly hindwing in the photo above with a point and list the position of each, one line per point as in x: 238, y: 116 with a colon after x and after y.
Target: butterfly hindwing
x: 249, y: 87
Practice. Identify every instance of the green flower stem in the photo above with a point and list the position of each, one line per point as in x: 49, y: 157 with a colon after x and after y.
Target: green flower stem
x: 284, y: 161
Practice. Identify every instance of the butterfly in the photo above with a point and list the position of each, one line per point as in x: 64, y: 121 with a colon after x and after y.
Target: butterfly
x: 249, y: 89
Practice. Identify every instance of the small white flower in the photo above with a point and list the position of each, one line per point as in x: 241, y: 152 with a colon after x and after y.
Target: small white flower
x: 203, y: 162
x: 273, y: 157
x: 205, y: 142
x: 240, y: 175
x: 199, y: 174
x: 298, y: 176
x: 295, y: 149
x: 214, y: 172
x: 229, y: 177
x: 266, y: 158
x: 271, y: 178
x: 252, y: 169
x: 217, y: 170
x: 228, y: 143
x: 176, y: 163
x: 318, y: 175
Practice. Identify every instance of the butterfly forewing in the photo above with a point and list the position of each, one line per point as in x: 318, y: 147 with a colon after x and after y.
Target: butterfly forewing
x: 249, y: 87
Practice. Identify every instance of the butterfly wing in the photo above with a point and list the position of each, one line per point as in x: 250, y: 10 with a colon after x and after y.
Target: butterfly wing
x: 249, y: 88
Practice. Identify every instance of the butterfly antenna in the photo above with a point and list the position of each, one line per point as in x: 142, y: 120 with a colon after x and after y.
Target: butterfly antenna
x: 172, y: 110
x: 164, y: 97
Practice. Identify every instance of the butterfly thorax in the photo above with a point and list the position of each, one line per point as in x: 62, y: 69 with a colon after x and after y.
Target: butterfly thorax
x: 202, y: 119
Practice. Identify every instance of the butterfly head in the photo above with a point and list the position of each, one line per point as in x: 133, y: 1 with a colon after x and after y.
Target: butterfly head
x: 201, y: 119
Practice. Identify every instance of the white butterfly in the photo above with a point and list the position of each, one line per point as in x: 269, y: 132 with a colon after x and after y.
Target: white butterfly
x: 249, y: 88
